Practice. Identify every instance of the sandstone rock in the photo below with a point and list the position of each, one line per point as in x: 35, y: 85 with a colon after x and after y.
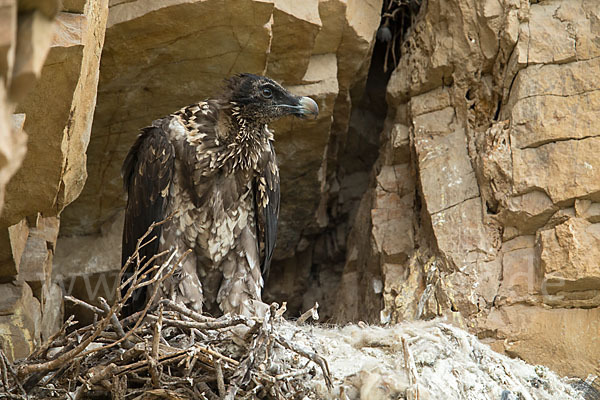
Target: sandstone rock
x: 12, y: 243
x: 564, y: 170
x: 333, y: 15
x: 434, y: 100
x: 521, y: 274
x: 544, y: 23
x: 20, y: 320
x: 445, y: 170
x: 34, y: 36
x: 74, y: 6
x: 53, y: 171
x: 566, y: 340
x: 392, y: 216
x: 569, y: 255
x: 48, y: 7
x: 571, y: 35
x: 8, y: 33
x: 12, y: 142
x: 36, y: 261
x: 400, y: 149
x: 528, y: 212
x: 88, y: 266
x: 301, y: 146
x: 472, y: 242
x: 52, y: 311
x: 542, y: 111
x: 294, y: 28
x: 588, y: 210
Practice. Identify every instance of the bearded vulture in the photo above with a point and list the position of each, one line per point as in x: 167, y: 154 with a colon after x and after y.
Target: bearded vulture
x: 212, y: 166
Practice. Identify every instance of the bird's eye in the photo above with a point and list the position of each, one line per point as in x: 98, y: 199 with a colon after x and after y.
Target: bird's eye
x: 267, y: 93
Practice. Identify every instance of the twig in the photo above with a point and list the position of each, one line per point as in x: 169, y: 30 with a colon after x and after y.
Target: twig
x: 225, y: 323
x: 3, y: 369
x: 294, y: 374
x: 84, y: 304
x: 157, y: 332
x: 13, y: 373
x: 207, y: 391
x: 42, y: 350
x: 150, y: 301
x: 220, y: 380
x: 153, y: 369
x: 281, y: 311
x: 114, y: 321
x: 312, y: 313
x: 182, y: 309
x: 320, y: 361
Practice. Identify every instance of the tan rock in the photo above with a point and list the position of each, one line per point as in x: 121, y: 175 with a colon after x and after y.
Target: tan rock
x: 400, y: 143
x: 588, y: 210
x: 36, y: 262
x: 301, y: 150
x: 394, y: 179
x: 569, y: 256
x: 393, y: 231
x: 501, y: 97
x: 88, y: 266
x: 566, y: 340
x: 472, y: 243
x: 34, y: 37
x: 74, y: 6
x: 528, y: 212
x: 436, y: 122
x: 358, y: 37
x: 333, y: 15
x: 12, y: 142
x: 434, y: 100
x: 542, y: 111
x: 52, y: 311
x: 564, y: 170
x: 12, y: 243
x: 48, y: 7
x: 79, y: 255
x: 294, y: 29
x: 53, y: 171
x: 8, y: 35
x: 560, y: 34
x: 550, y: 39
x: 20, y: 320
x: 521, y: 274
x: 445, y: 170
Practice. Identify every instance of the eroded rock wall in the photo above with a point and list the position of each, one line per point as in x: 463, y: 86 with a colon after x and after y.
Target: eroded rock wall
x: 49, y: 59
x: 483, y: 203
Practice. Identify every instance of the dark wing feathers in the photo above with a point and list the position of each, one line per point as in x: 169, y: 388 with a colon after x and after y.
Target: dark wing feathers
x: 147, y: 175
x: 267, y: 184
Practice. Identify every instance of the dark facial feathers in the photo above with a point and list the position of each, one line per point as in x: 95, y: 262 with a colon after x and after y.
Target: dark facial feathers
x: 263, y: 100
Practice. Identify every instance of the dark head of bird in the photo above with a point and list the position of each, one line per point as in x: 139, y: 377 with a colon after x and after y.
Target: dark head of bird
x: 262, y: 100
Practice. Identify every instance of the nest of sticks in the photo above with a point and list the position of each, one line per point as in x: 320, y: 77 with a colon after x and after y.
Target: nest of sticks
x: 165, y: 351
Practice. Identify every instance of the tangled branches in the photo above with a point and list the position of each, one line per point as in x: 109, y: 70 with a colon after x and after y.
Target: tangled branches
x: 164, y: 351
x: 397, y: 16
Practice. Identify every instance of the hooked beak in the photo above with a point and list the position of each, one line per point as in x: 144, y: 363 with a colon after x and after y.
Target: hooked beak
x: 308, y: 108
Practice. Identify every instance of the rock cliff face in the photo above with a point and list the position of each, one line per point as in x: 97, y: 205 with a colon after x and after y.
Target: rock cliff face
x: 49, y: 59
x: 462, y: 184
x: 482, y: 204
